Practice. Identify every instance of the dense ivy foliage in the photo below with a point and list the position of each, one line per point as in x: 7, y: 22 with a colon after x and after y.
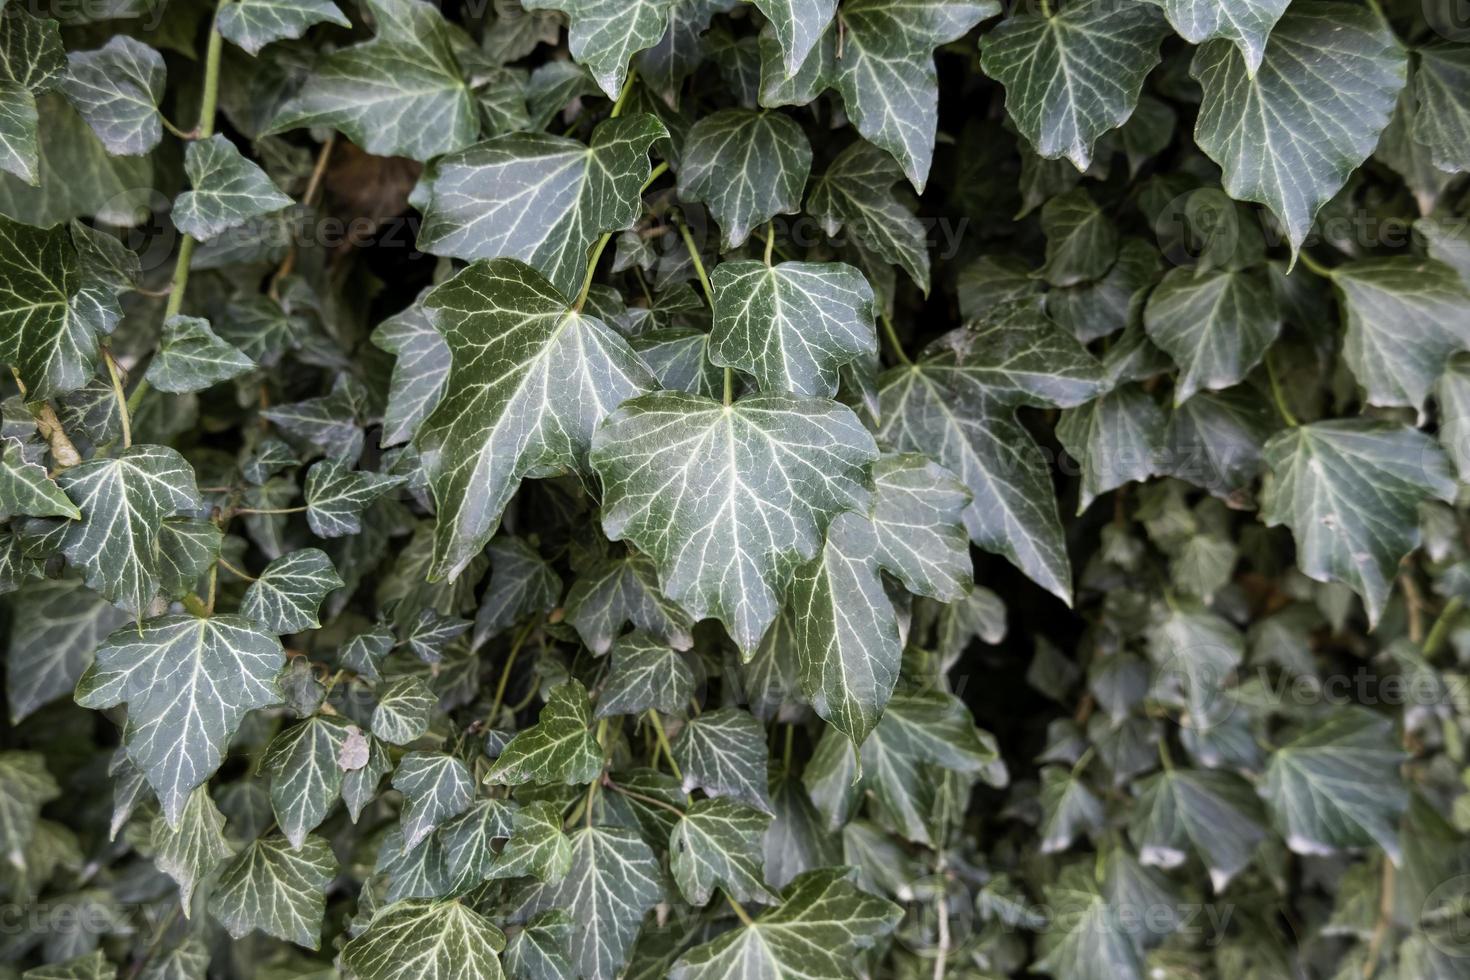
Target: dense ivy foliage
x: 735, y: 490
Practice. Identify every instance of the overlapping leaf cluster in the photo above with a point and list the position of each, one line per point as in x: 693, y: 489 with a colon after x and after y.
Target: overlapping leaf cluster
x: 789, y: 488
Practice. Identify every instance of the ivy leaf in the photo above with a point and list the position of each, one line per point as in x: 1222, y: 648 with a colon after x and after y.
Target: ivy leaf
x: 1349, y: 490
x: 494, y: 427
x: 116, y: 89
x: 192, y: 357
x: 188, y: 684
x: 400, y: 94
x: 541, y: 199
x: 1214, y: 441
x: 823, y: 922
x: 329, y: 422
x: 41, y: 337
x: 537, y: 846
x: 1118, y: 438
x: 717, y: 843
x: 747, y: 166
x: 89, y: 966
x: 539, y: 951
x: 723, y: 752
x: 403, y: 710
x: 613, y: 882
x: 645, y: 674
x: 1081, y: 241
x: 723, y: 497
x: 418, y: 373
x: 363, y: 652
x: 521, y: 583
x: 1289, y: 136
x: 435, y: 787
x: 420, y: 938
x: 123, y: 501
x: 623, y: 590
x: 1336, y: 785
x: 32, y: 61
x: 27, y: 786
x: 289, y: 593
x: 55, y: 627
x: 1074, y: 75
x: 1217, y: 814
x: 1452, y: 393
x: 432, y: 632
x: 360, y: 786
x: 918, y: 509
x: 276, y: 888
x: 1442, y: 117
x: 799, y: 25
x: 1089, y: 939
x: 1245, y: 23
x: 856, y: 193
x: 957, y: 406
x: 557, y: 749
x: 791, y: 325
x: 336, y: 496
x: 252, y: 24
x: 679, y: 52
x: 190, y: 848
x: 468, y: 840
x: 605, y: 34
x: 846, y: 635
x: 306, y: 763
x: 1405, y: 317
x: 1216, y: 325
x: 26, y: 489
x: 228, y: 190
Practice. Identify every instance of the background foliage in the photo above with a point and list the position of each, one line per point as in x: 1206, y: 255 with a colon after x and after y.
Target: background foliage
x: 710, y: 489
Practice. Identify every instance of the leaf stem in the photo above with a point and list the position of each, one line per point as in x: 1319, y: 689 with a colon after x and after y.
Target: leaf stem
x: 1313, y: 265
x: 663, y: 742
x: 591, y: 271
x: 641, y: 797
x: 770, y: 240
x: 740, y: 912
x: 617, y: 109
x: 709, y: 294
x: 117, y: 392
x: 1441, y: 628
x: 892, y: 335
x: 510, y: 661
x: 1278, y: 394
x: 238, y: 573
x: 269, y: 510
x: 654, y: 174
x: 180, y: 133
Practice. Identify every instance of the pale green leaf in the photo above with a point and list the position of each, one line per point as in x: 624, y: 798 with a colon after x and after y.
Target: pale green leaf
x: 435, y: 787
x: 423, y: 939
x: 306, y: 762
x: 288, y: 594
x: 623, y: 590
x: 645, y: 674
x: 418, y: 373
x: 918, y: 509
x: 56, y: 625
x: 26, y: 489
x: 747, y: 166
x: 1216, y: 325
x: 717, y: 843
x: 559, y: 748
x: 117, y: 89
x: 336, y: 496
x: 1245, y: 23
x: 252, y: 24
x: 192, y: 357
x: 403, y: 710
x: 227, y: 190
x: 605, y: 34
x: 276, y: 888
x: 537, y: 847
x: 723, y: 752
x: 190, y: 848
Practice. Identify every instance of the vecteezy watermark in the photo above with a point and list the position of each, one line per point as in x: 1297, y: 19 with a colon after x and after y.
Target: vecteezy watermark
x: 1444, y: 918
x: 59, y: 919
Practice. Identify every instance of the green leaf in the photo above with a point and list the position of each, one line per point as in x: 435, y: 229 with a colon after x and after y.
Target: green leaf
x: 187, y: 547
x: 55, y: 627
x: 613, y: 882
x: 1216, y: 325
x: 117, y: 89
x: 468, y: 840
x: 363, y: 652
x: 306, y: 763
x: 792, y: 325
x: 1349, y: 490
x: 918, y: 509
x: 539, y: 951
x: 623, y: 590
x: 846, y: 634
x: 1442, y: 118
x: 799, y: 25
x: 400, y: 94
x: 605, y: 34
x: 189, y: 848
x: 252, y: 24
x: 747, y: 166
x: 276, y: 888
x: 402, y: 713
x: 645, y: 674
x: 42, y: 336
x: 329, y: 422
x: 1118, y: 439
x: 717, y: 843
x: 823, y: 922
x: 1452, y: 393
x: 1081, y: 241
x: 1336, y: 785
x: 1214, y: 441
x: 856, y: 194
x: 957, y: 406
x: 723, y: 752
x: 494, y: 426
x: 32, y: 61
x: 1074, y: 75
x: 435, y: 787
x: 418, y: 373
x: 1088, y: 937
x: 723, y: 499
x: 192, y: 357
x: 432, y: 632
x: 89, y: 966
x: 26, y: 489
x: 188, y: 684
x: 336, y: 496
x: 27, y: 787
x: 521, y: 583
x: 360, y: 786
x: 557, y: 749
x: 537, y: 846
x: 287, y: 596
x: 1289, y: 137
x: 419, y: 938
x: 541, y: 199
x: 1215, y: 814
x: 228, y: 190
x: 1246, y: 23
x: 123, y: 501
x: 1405, y: 317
